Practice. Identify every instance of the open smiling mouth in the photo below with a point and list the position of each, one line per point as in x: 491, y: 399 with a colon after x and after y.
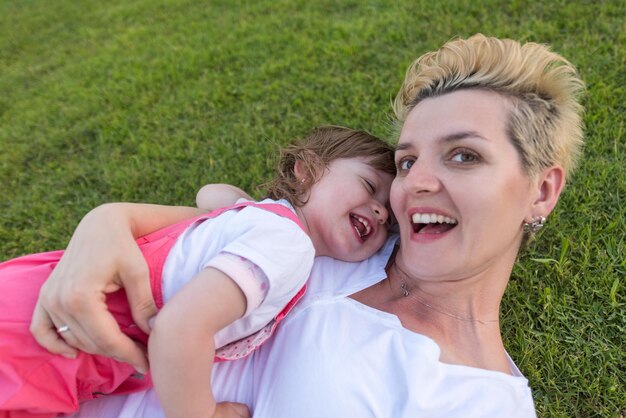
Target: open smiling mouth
x: 431, y: 223
x: 361, y: 226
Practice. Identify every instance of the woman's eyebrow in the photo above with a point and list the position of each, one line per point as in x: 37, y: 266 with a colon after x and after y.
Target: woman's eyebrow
x: 456, y: 136
x: 403, y: 146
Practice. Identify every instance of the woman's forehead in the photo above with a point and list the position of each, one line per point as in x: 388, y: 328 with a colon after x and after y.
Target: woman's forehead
x: 454, y: 117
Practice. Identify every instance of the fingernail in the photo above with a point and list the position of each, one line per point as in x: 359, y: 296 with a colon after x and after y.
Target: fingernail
x: 140, y: 370
x: 71, y: 356
x: 151, y: 321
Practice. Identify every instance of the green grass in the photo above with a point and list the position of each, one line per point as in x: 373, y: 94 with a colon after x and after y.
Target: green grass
x: 147, y: 100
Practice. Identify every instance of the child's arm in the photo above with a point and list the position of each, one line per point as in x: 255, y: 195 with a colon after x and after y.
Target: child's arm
x: 213, y: 196
x: 181, y: 346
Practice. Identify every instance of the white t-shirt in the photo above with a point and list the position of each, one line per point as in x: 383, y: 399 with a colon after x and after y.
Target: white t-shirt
x: 335, y: 357
x: 269, y: 257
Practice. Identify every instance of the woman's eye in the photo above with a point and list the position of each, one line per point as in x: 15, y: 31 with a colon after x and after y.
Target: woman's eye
x: 464, y: 157
x: 405, y: 164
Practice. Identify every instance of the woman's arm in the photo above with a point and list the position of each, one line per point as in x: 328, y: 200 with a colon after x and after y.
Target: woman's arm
x: 102, y: 257
x: 181, y: 345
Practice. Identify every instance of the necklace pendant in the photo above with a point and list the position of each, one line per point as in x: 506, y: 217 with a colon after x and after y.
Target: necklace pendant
x: 405, y: 291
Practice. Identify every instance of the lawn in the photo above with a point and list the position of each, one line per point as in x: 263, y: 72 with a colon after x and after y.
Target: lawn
x: 148, y: 100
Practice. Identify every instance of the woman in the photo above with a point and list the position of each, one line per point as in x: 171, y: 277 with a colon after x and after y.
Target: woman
x: 491, y: 130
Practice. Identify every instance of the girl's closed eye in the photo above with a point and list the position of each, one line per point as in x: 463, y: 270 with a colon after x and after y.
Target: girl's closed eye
x: 370, y: 186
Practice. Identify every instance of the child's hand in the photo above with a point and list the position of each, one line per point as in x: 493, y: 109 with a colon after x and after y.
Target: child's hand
x: 231, y: 410
x: 214, y: 196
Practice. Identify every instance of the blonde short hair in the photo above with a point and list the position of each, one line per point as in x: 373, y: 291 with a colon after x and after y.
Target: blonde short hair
x: 545, y: 119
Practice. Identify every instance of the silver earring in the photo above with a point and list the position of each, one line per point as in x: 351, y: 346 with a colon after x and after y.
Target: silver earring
x: 535, y: 225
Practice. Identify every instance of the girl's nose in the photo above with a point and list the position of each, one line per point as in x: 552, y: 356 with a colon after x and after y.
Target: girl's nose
x: 380, y: 212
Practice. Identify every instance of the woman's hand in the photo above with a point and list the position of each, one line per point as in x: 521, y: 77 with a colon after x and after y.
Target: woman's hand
x: 231, y: 410
x: 102, y: 257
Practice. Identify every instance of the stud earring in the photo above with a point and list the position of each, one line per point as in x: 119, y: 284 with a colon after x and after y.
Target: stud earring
x: 535, y: 225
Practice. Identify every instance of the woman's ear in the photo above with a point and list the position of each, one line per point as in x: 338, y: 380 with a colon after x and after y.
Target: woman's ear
x: 549, y: 185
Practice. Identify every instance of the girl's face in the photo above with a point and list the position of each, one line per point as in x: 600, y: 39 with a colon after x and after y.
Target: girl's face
x: 461, y: 194
x: 347, y: 211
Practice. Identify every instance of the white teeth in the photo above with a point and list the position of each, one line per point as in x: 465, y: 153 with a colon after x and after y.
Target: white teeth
x: 365, y: 222
x: 366, y: 225
x: 431, y: 218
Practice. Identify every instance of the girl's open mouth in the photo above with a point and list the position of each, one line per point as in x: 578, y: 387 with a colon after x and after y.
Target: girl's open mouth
x: 361, y: 226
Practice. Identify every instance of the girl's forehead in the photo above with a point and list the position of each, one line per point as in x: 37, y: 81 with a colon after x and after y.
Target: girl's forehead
x: 351, y: 162
x: 359, y: 166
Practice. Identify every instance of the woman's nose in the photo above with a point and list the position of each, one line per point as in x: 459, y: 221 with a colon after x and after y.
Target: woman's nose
x: 422, y: 178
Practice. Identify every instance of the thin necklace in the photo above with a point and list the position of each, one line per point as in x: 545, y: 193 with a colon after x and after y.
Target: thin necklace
x: 406, y: 293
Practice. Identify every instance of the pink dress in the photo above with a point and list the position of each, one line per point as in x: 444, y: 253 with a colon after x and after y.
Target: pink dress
x: 36, y: 383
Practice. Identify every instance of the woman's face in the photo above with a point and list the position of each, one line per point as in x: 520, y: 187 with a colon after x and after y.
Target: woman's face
x: 461, y: 194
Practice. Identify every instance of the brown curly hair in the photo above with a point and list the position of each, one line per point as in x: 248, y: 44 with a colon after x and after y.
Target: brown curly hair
x: 316, y: 151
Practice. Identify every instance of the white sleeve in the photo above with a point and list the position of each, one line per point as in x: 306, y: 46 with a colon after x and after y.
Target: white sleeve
x: 284, y: 254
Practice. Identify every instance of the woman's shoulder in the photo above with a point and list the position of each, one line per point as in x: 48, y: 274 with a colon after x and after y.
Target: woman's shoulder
x: 335, y: 278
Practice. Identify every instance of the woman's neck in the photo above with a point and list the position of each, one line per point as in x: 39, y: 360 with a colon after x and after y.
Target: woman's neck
x: 469, y: 300
x: 462, y: 316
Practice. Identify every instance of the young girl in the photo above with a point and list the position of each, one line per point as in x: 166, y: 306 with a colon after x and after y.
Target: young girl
x: 223, y: 281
